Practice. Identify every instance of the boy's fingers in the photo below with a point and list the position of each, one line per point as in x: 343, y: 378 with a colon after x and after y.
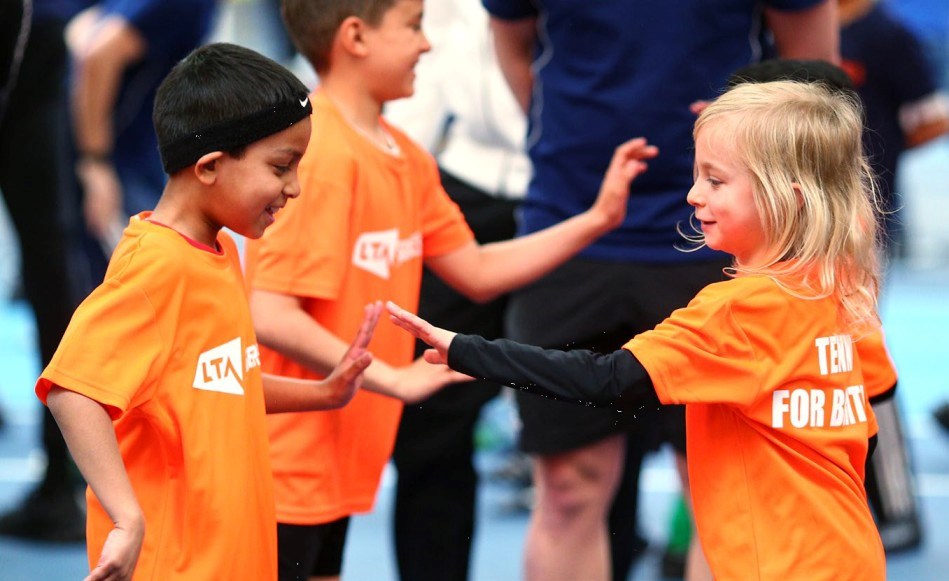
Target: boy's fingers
x: 355, y: 367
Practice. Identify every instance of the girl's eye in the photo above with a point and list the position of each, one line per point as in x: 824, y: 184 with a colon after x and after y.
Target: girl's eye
x: 282, y: 169
x: 713, y: 182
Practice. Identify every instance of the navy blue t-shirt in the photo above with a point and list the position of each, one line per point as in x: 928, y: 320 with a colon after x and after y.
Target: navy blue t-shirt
x: 888, y: 67
x: 610, y: 70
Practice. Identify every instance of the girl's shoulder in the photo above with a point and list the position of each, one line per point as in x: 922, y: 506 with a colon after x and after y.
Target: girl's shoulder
x: 766, y: 303
x: 742, y: 288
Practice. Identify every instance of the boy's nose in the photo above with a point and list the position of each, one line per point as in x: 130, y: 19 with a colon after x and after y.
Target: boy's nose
x: 292, y: 189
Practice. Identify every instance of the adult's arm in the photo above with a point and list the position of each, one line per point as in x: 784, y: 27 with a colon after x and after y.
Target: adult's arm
x: 514, y: 44
x: 811, y: 33
x: 102, y: 49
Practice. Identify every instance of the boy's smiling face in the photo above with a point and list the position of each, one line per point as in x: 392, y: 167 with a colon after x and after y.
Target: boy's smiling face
x: 253, y: 187
x: 394, y: 47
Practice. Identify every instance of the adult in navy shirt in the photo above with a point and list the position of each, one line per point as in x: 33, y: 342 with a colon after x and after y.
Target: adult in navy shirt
x: 591, y: 75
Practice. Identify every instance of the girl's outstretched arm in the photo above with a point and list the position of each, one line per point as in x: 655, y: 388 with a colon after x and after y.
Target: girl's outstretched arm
x: 616, y: 379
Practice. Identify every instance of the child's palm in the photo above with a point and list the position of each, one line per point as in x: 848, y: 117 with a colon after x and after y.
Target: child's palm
x: 627, y: 163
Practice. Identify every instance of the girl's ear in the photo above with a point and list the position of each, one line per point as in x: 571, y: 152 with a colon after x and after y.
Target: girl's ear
x: 207, y: 167
x: 351, y: 36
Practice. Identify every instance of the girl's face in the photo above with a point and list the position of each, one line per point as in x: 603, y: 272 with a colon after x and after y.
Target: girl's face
x: 394, y: 48
x: 723, y: 198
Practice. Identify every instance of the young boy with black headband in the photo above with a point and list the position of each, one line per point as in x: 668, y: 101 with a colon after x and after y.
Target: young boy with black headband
x: 157, y: 385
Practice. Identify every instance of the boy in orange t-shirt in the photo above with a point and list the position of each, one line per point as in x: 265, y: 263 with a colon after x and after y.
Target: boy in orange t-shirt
x: 372, y: 211
x: 157, y: 385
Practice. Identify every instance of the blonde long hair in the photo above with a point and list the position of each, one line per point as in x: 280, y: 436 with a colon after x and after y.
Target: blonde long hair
x: 813, y: 189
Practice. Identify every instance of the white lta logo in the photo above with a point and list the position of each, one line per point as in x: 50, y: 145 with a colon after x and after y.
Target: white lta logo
x: 221, y: 368
x: 376, y: 252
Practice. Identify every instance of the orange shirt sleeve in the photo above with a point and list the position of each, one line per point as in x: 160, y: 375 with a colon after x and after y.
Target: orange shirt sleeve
x: 444, y: 228
x: 879, y: 373
x: 700, y: 354
x: 112, y: 351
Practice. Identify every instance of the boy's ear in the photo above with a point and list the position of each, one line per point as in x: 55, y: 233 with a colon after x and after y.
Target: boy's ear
x: 207, y: 166
x: 351, y: 36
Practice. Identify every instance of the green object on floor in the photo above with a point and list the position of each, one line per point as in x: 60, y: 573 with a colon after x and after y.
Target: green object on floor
x: 680, y: 528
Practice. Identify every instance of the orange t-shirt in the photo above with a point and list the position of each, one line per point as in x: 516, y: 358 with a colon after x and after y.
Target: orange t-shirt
x: 358, y: 233
x: 878, y: 370
x: 166, y: 344
x: 777, y: 424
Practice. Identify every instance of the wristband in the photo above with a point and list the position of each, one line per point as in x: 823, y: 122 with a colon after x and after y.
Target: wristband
x: 96, y: 157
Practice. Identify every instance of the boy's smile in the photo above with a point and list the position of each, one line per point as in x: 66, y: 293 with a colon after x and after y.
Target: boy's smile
x: 256, y: 185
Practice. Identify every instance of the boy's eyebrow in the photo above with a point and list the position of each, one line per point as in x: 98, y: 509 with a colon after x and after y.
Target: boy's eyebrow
x: 291, y: 150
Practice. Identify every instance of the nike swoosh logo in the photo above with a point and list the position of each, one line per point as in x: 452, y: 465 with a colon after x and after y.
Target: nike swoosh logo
x: 303, y: 102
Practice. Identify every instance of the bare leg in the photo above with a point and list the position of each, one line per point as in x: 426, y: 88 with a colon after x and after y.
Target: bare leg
x: 696, y: 565
x: 567, y: 536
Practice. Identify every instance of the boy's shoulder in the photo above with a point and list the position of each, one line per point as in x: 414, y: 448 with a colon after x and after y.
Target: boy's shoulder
x: 153, y: 256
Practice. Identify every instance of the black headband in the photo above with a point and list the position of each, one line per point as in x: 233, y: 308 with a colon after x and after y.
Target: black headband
x: 232, y: 134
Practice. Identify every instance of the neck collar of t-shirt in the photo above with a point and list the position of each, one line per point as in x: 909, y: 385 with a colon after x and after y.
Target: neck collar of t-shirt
x: 199, y: 245
x: 384, y: 142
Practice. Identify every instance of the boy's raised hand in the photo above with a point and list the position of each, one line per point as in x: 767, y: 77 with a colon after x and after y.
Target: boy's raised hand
x: 439, y: 339
x: 627, y: 163
x: 347, y: 377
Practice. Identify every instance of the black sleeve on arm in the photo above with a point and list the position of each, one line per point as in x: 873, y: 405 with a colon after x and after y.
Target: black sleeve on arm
x: 616, y: 379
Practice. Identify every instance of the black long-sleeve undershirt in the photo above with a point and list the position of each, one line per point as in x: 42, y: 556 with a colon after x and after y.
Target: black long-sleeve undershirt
x: 583, y: 377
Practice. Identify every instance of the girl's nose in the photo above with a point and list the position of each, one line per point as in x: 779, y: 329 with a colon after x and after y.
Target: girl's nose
x: 693, y: 197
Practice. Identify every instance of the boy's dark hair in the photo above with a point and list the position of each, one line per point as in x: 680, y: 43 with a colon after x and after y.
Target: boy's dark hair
x: 313, y: 24
x: 802, y: 71
x: 218, y: 84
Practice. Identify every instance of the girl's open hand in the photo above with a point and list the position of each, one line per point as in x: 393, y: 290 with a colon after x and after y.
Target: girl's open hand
x: 439, y: 339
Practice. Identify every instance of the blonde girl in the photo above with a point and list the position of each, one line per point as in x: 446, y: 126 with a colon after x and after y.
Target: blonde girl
x: 768, y: 363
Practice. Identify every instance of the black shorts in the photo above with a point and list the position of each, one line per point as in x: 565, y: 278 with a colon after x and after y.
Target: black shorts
x: 588, y: 304
x: 305, y: 551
